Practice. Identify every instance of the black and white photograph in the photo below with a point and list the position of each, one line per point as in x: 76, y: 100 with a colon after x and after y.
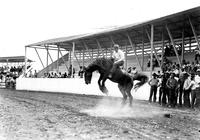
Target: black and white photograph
x: 100, y: 70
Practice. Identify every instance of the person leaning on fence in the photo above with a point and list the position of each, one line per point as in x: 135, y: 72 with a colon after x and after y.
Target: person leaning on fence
x: 154, y: 83
x: 172, y: 85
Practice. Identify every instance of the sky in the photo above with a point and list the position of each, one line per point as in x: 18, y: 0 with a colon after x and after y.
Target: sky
x: 24, y: 22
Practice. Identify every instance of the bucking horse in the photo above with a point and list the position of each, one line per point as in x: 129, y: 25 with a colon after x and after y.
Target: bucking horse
x: 124, y: 80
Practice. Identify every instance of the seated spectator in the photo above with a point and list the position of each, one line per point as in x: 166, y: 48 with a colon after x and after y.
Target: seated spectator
x: 59, y: 75
x: 197, y: 56
x: 65, y: 75
x: 134, y: 70
x: 129, y: 70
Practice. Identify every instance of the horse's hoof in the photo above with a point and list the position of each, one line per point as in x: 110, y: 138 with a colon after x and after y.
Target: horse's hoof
x: 105, y: 91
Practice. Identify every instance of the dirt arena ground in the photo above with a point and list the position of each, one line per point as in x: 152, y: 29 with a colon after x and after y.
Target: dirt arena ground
x: 49, y: 116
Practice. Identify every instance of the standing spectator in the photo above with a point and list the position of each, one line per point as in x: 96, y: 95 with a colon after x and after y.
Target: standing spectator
x: 159, y: 74
x: 187, y: 89
x: 70, y: 72
x: 80, y: 73
x: 182, y: 77
x: 154, y: 83
x: 196, y: 90
x: 163, y: 92
x: 172, y: 85
x: 35, y: 74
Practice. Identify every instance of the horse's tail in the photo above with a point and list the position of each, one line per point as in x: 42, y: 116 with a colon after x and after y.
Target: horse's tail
x: 142, y: 78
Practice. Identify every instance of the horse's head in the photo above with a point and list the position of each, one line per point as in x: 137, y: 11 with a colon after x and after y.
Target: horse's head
x: 87, y: 76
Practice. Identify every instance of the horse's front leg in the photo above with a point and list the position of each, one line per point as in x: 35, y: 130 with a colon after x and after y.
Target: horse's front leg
x: 105, y: 90
x: 100, y: 84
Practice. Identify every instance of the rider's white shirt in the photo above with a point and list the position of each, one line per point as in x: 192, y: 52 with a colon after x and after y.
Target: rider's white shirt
x: 118, y: 56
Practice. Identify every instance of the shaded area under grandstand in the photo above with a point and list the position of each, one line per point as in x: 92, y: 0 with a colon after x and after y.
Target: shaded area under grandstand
x: 14, y: 59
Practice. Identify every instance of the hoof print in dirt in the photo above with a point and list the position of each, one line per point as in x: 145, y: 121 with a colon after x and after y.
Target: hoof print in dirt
x: 167, y: 115
x: 125, y: 131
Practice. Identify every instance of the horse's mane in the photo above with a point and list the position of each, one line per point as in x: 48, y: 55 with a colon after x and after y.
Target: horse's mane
x: 101, y: 62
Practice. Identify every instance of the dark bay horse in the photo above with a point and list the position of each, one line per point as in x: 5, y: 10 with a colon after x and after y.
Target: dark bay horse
x: 124, y: 80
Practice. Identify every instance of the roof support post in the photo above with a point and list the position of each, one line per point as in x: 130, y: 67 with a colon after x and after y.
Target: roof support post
x: 73, y: 55
x: 58, y: 59
x: 25, y: 69
x: 173, y: 43
x: 92, y: 54
x: 39, y: 57
x: 49, y: 54
x: 155, y: 52
x: 76, y: 59
x: 83, y: 57
x: 134, y: 49
x: 98, y: 52
x: 99, y: 46
x: 126, y: 58
x: 163, y: 44
x: 151, y: 42
x: 143, y: 49
x: 111, y: 38
x: 106, y: 52
x: 182, y: 47
x: 70, y: 60
x: 64, y: 61
x: 47, y: 59
x: 86, y: 47
x: 194, y: 33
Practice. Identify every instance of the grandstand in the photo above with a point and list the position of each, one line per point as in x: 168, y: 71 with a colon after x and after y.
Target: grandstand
x: 140, y: 41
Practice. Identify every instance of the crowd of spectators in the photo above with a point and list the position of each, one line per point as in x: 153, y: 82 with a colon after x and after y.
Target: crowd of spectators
x: 178, y: 85
x: 65, y: 74
x: 9, y: 74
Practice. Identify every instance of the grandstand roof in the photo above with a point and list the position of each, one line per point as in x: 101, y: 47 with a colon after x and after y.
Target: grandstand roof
x: 13, y: 59
x: 175, y: 22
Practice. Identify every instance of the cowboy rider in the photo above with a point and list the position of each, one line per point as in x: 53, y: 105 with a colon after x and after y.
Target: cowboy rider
x: 119, y: 58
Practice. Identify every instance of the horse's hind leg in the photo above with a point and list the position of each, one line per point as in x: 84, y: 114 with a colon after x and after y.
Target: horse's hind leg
x: 105, y: 90
x: 101, y: 85
x: 122, y: 90
x: 128, y: 92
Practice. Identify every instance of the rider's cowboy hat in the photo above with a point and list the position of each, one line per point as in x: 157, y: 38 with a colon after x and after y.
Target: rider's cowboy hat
x: 115, y: 46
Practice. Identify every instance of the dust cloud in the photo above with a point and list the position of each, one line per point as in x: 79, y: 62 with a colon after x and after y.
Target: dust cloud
x: 112, y: 107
